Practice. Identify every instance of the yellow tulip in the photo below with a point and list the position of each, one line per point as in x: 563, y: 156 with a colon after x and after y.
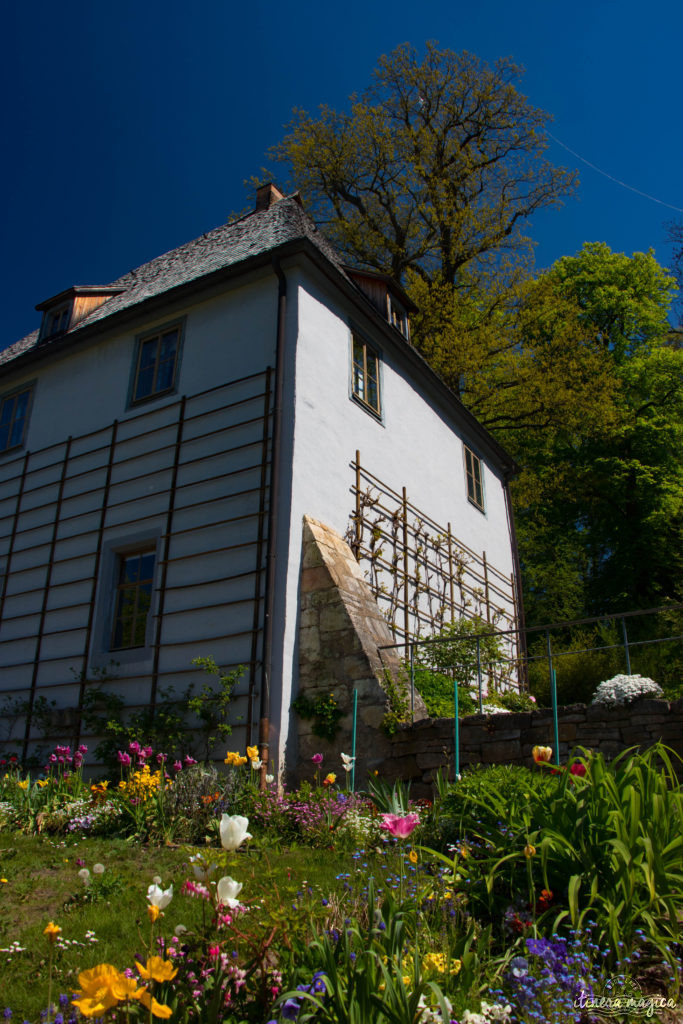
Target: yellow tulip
x: 252, y: 753
x: 52, y: 930
x: 529, y: 851
x: 541, y: 754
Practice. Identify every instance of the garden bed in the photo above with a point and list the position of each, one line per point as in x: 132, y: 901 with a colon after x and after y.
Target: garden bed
x: 516, y: 895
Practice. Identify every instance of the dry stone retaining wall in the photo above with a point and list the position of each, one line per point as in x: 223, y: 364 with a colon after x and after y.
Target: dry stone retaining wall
x: 418, y: 750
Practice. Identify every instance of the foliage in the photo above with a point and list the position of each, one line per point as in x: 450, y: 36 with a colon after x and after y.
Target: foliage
x: 545, y: 886
x: 323, y: 711
x: 397, y: 692
x: 605, y: 840
x: 436, y: 690
x: 166, y: 726
x: 436, y: 167
x: 454, y: 651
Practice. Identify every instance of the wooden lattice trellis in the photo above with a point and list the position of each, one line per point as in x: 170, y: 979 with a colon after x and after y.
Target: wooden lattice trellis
x: 421, y: 574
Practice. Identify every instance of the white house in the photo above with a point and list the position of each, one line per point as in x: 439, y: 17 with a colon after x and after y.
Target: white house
x: 162, y: 438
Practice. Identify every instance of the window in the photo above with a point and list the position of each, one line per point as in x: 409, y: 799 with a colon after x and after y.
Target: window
x: 475, y: 490
x: 365, y: 375
x: 133, y: 599
x: 398, y: 317
x: 57, y: 321
x: 156, y: 363
x: 14, y: 411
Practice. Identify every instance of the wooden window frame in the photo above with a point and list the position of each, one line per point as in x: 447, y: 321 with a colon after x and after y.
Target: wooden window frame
x: 14, y: 396
x: 474, y: 479
x: 357, y: 339
x: 158, y: 333
x: 120, y: 589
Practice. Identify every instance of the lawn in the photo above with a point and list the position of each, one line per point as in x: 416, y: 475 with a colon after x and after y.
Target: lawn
x: 516, y: 895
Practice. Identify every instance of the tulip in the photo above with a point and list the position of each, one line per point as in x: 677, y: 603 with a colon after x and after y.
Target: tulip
x: 400, y: 826
x: 123, y: 757
x: 578, y: 769
x: 52, y: 930
x: 252, y: 753
x: 256, y: 763
x: 317, y: 759
x: 227, y: 891
x: 159, y: 897
x: 329, y: 779
x: 270, y: 778
x: 233, y: 831
x: 529, y: 851
x: 541, y: 754
x: 201, y: 867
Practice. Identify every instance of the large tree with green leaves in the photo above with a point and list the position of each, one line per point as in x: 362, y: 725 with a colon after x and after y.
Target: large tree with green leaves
x: 435, y: 168
x: 600, y: 503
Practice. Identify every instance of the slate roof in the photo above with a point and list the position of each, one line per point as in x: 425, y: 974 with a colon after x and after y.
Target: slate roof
x: 251, y: 235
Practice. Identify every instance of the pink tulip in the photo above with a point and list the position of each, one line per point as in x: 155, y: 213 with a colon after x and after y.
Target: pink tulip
x: 399, y: 827
x: 317, y: 759
x: 123, y: 757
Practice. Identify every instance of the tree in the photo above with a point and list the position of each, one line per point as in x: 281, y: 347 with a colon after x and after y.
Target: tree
x: 435, y: 168
x: 600, y: 506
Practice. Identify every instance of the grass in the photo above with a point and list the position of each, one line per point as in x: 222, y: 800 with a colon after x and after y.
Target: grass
x: 43, y: 885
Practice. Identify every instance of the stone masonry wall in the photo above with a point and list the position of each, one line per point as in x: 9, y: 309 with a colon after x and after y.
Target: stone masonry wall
x: 340, y: 630
x: 417, y: 751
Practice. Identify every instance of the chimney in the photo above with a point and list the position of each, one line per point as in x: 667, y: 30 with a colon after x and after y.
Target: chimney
x: 266, y: 195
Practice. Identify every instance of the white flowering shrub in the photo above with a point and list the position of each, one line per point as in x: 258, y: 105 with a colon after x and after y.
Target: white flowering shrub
x: 623, y: 689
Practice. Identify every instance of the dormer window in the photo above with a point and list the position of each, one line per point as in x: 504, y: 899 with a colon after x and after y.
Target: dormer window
x: 65, y: 311
x: 388, y: 299
x: 398, y: 316
x: 57, y: 321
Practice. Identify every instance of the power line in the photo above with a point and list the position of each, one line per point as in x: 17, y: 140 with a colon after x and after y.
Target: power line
x: 611, y: 176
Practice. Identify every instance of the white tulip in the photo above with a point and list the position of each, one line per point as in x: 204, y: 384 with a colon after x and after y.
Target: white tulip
x: 256, y: 764
x: 227, y: 891
x: 347, y: 761
x: 202, y: 869
x: 270, y: 778
x: 159, y: 897
x: 233, y: 831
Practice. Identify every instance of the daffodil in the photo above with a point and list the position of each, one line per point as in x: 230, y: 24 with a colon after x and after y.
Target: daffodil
x: 159, y: 897
x: 233, y: 831
x: 157, y: 969
x: 227, y: 891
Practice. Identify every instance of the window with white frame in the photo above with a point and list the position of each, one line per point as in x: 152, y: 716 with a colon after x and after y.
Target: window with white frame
x: 14, y: 410
x: 133, y: 598
x: 156, y: 363
x: 473, y: 475
x: 365, y: 374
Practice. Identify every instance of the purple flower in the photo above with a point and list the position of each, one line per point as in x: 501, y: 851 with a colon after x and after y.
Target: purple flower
x: 82, y: 749
x: 317, y: 759
x: 134, y: 747
x: 187, y: 760
x: 177, y: 765
x: 161, y: 758
x: 123, y: 757
x: 290, y: 1009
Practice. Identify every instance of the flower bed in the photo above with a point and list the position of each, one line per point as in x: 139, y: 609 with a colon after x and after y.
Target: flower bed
x: 515, y: 896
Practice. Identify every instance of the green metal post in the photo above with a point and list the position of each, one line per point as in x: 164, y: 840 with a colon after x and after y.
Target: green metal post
x: 628, y: 654
x: 456, y: 727
x: 556, y: 731
x: 481, y: 700
x: 353, y: 741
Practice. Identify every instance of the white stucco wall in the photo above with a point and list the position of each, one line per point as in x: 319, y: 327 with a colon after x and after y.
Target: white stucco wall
x: 417, y: 445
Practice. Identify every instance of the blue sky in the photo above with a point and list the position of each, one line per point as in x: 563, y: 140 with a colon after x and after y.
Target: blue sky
x: 131, y: 128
